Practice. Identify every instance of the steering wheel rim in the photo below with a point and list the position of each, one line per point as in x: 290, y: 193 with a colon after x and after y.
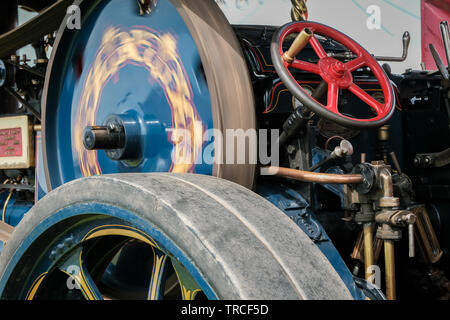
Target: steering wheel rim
x: 335, y: 73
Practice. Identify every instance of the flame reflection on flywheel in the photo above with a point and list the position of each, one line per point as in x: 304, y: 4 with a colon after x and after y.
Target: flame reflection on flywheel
x: 157, y: 53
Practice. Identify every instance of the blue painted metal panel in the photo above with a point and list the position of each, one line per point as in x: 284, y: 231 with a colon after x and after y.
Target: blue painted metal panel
x: 15, y: 210
x: 298, y: 209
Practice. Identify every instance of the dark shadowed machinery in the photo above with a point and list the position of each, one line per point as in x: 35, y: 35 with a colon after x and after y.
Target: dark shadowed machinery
x: 118, y: 180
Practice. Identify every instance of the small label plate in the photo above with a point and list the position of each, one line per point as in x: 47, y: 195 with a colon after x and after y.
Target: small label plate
x: 11, y: 142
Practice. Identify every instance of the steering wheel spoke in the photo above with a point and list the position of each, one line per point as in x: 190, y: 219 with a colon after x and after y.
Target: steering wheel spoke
x: 305, y: 66
x: 365, y: 97
x: 356, y: 64
x: 320, y: 51
x: 333, y: 98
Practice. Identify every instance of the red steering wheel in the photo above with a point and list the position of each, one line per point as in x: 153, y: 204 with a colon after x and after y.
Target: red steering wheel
x: 336, y: 74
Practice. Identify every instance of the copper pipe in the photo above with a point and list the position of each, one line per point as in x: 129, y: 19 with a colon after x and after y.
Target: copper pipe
x: 358, y: 248
x: 389, y: 260
x: 377, y: 246
x: 331, y: 139
x: 315, y: 177
x: 368, y: 251
x: 363, y: 157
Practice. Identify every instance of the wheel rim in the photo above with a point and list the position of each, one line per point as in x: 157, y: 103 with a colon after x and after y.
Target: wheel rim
x: 197, y: 220
x: 96, y: 256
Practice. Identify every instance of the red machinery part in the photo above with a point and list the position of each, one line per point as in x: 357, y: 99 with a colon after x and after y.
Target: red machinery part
x: 433, y: 12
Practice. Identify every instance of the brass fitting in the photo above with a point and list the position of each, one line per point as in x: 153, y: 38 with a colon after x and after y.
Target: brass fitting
x: 299, y: 43
x: 395, y: 218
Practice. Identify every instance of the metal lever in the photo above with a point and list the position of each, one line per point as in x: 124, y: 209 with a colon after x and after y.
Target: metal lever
x: 406, y: 41
x: 410, y: 220
x: 412, y: 251
x: 344, y: 149
x: 446, y: 40
x: 435, y: 160
x: 442, y: 68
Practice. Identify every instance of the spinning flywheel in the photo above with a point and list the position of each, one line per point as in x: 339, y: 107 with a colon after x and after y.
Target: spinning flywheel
x: 132, y: 92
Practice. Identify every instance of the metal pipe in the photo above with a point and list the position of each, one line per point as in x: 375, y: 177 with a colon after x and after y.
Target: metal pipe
x: 25, y: 68
x: 358, y: 248
x: 368, y: 251
x: 10, y: 186
x: 386, y: 183
x: 321, y: 163
x: 306, y: 176
x: 389, y: 260
x: 411, y: 247
x: 25, y: 103
x: 363, y: 158
x: 439, y: 64
x: 299, y: 43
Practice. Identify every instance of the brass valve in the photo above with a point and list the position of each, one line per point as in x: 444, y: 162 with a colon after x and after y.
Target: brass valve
x: 396, y: 219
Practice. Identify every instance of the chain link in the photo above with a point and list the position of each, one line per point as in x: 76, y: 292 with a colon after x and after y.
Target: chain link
x: 299, y: 11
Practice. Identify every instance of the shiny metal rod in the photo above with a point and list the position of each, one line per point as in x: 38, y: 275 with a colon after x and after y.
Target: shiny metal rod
x: 411, y: 248
x: 440, y: 65
x: 389, y: 260
x: 307, y: 176
x: 368, y: 252
x: 406, y: 40
x: 446, y: 40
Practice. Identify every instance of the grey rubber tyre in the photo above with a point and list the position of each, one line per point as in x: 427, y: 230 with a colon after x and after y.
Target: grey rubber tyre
x: 242, y: 245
